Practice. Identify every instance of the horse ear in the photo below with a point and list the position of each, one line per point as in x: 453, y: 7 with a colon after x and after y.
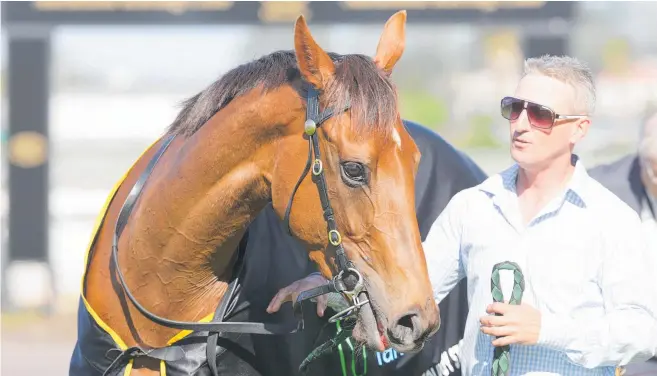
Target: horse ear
x: 315, y: 64
x: 392, y: 42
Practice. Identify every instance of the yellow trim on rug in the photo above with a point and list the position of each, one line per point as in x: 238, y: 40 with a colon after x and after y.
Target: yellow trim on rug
x: 163, y: 368
x: 128, y: 368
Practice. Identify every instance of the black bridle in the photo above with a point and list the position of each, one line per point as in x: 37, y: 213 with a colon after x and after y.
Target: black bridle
x: 348, y: 281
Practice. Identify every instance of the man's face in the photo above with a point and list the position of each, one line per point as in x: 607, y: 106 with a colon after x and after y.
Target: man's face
x: 533, y: 147
x: 650, y: 167
x: 649, y: 175
x: 649, y: 161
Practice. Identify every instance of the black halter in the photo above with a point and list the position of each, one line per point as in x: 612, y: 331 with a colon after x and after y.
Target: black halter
x: 348, y: 280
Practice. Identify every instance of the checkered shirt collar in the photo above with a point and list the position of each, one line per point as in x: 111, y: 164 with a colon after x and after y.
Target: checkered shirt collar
x: 505, y: 182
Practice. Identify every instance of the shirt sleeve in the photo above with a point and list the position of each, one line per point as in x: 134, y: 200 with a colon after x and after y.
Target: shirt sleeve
x: 627, y: 332
x: 442, y: 248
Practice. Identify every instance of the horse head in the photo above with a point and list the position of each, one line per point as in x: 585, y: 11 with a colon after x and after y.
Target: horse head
x: 368, y: 161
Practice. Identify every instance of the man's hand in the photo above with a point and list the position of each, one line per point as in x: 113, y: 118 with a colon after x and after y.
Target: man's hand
x: 519, y: 324
x: 290, y: 293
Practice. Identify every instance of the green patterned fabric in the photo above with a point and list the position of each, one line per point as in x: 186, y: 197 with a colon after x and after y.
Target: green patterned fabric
x: 502, y: 355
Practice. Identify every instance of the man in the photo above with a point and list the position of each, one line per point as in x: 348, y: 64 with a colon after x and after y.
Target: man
x: 589, y: 301
x: 274, y: 259
x: 634, y: 180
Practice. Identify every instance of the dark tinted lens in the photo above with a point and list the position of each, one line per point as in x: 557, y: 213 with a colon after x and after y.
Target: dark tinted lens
x: 511, y: 108
x: 540, y: 116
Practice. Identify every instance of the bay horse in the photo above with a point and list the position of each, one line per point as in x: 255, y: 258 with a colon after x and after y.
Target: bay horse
x: 166, y: 244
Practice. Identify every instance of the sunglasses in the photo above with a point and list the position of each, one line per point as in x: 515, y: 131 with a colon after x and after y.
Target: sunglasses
x: 539, y: 116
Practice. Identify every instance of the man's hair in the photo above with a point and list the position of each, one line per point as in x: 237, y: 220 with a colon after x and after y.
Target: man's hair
x: 570, y: 71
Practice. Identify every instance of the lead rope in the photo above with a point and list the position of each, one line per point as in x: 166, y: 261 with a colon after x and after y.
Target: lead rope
x: 502, y: 355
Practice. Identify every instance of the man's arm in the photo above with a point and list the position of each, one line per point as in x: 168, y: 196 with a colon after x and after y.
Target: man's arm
x: 628, y: 330
x: 442, y: 247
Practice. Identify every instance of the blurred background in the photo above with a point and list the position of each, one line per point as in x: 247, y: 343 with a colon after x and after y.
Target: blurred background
x: 86, y: 86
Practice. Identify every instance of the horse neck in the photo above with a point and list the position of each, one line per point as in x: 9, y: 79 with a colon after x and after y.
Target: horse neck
x: 184, y: 231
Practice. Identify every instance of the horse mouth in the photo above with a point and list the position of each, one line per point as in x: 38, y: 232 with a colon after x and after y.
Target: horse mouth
x: 368, y: 329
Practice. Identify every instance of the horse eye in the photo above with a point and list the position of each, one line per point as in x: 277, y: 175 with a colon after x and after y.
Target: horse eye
x: 354, y: 173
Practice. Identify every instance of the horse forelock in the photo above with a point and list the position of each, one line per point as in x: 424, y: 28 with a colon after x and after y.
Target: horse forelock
x: 358, y: 83
x: 370, y: 94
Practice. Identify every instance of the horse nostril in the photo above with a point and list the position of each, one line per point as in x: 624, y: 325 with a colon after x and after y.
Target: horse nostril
x: 406, y: 321
x: 406, y: 330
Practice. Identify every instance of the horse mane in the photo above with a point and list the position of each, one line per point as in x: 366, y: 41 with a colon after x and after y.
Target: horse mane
x: 358, y: 82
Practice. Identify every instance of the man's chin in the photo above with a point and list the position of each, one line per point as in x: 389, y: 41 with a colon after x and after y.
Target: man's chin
x: 522, y: 157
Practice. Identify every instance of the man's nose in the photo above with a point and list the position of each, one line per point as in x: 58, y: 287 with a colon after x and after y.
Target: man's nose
x: 522, y: 123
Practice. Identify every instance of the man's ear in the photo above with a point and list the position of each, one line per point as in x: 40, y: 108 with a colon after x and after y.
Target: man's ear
x: 581, y: 129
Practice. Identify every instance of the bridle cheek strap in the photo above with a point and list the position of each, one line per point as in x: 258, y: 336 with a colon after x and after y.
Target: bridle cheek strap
x: 313, y: 121
x: 348, y: 281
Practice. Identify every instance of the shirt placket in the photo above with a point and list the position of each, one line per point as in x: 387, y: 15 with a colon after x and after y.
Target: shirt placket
x: 527, y: 235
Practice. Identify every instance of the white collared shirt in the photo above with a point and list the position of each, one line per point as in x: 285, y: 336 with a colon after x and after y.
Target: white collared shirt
x: 586, y: 269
